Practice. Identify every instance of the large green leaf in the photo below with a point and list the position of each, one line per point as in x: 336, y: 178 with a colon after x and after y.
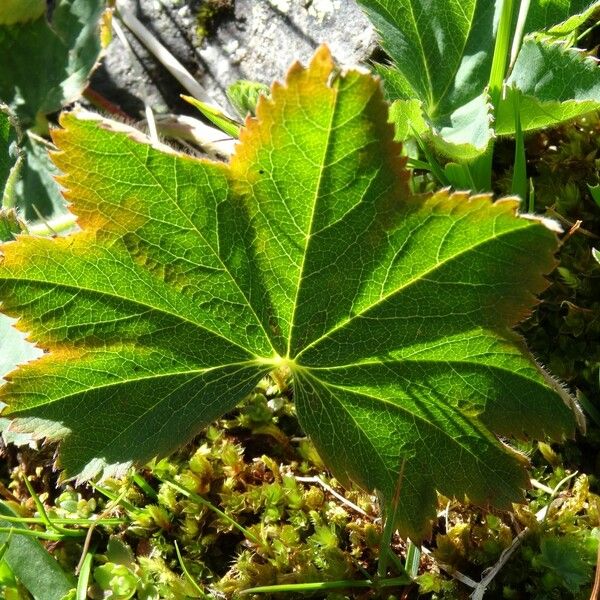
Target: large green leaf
x: 441, y: 53
x: 191, y: 280
x: 45, y: 64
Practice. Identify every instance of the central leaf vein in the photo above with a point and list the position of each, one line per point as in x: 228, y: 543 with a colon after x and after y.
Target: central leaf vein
x: 323, y: 165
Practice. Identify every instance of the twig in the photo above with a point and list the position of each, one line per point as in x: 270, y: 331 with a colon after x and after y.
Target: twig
x: 329, y: 489
x: 132, y: 56
x: 62, y: 223
x: 479, y: 588
x: 563, y: 220
x: 44, y: 220
x: 482, y: 586
x: 452, y: 571
x: 165, y: 57
x: 153, y: 133
x: 541, y: 486
x: 4, y: 491
x: 543, y: 512
x: 99, y: 101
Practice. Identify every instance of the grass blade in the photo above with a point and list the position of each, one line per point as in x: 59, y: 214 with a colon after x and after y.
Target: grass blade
x: 225, y: 123
x: 519, y: 180
x: 84, y: 577
x: 308, y: 588
x: 413, y: 558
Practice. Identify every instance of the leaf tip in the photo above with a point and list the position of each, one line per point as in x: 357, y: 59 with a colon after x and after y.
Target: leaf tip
x: 322, y: 60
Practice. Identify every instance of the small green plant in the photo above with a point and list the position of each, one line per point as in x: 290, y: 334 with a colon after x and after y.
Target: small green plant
x: 191, y: 280
x: 464, y: 72
x: 243, y: 96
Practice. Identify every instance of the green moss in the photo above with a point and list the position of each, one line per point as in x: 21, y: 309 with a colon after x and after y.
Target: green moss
x: 208, y: 14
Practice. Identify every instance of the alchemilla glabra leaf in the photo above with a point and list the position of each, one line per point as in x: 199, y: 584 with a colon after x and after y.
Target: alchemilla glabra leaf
x: 441, y: 55
x: 190, y: 280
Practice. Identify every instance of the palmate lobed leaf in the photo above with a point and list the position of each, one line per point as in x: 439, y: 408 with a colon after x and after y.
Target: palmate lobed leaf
x: 191, y: 280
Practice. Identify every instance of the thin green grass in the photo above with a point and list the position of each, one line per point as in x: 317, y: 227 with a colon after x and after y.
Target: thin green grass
x: 329, y: 585
x: 83, y: 580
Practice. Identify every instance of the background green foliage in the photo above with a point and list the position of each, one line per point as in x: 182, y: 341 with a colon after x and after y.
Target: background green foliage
x: 447, y: 90
x: 242, y: 501
x: 47, y: 60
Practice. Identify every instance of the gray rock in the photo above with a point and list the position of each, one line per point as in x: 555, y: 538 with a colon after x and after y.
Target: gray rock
x: 267, y: 36
x: 257, y: 40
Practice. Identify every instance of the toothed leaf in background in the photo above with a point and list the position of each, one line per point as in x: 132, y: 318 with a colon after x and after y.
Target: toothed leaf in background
x: 10, y: 159
x: 555, y: 84
x: 45, y: 65
x: 36, y: 191
x: 441, y: 53
x: 407, y: 118
x: 595, y: 192
x: 192, y: 279
x: 64, y: 50
x: 8, y: 137
x: 558, y: 17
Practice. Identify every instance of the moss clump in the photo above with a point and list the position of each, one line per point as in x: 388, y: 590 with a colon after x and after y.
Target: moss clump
x: 208, y: 15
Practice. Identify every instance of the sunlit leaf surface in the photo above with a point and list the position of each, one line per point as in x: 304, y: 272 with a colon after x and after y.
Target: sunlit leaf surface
x: 191, y: 280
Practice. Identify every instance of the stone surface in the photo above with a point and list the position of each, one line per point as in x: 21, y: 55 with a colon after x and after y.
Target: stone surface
x: 267, y: 36
x: 256, y: 39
